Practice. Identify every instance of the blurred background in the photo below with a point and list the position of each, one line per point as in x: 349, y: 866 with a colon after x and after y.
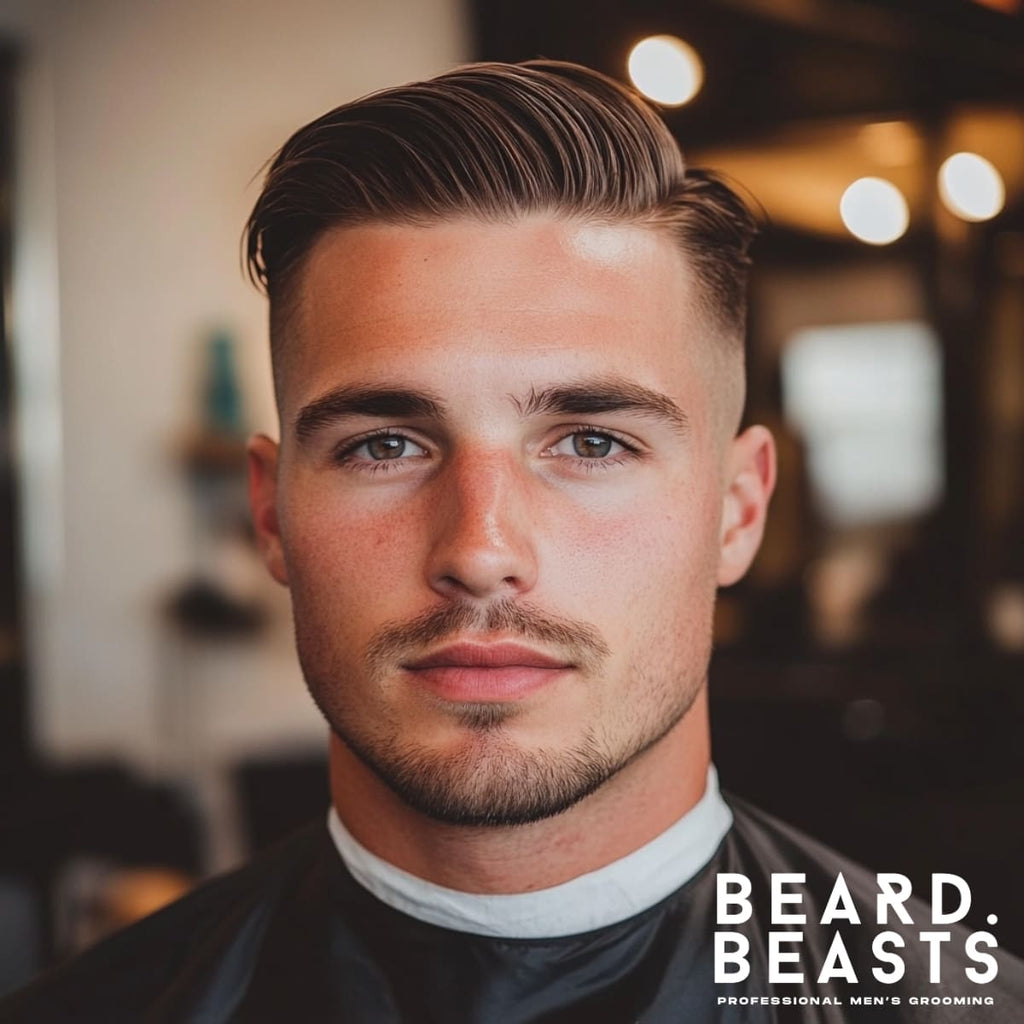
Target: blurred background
x: 869, y: 675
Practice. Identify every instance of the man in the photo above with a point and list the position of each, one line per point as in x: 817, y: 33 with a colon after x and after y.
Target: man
x: 506, y: 328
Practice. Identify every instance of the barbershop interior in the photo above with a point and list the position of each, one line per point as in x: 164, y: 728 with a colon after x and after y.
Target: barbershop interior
x: 867, y: 683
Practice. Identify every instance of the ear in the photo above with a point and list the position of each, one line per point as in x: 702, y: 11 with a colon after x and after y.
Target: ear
x: 263, y: 461
x: 750, y: 478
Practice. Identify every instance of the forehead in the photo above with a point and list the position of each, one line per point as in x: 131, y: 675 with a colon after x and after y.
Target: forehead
x: 542, y: 287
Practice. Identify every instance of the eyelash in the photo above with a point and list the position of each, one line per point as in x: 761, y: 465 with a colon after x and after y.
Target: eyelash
x: 344, y: 456
x: 630, y: 453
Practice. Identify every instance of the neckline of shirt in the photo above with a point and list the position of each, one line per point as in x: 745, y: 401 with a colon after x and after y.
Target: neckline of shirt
x: 613, y: 893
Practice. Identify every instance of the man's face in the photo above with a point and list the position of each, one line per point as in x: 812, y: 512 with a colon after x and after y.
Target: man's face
x: 503, y: 504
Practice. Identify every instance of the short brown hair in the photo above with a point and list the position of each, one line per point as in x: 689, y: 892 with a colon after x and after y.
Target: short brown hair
x: 494, y: 141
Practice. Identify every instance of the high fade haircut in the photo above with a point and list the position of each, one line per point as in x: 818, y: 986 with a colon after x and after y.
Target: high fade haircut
x: 496, y: 142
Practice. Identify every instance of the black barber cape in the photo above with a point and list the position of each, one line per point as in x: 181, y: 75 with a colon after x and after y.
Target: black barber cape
x: 292, y: 937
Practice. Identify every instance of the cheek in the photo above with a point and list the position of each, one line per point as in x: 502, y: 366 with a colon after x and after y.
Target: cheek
x: 348, y: 562
x: 652, y: 559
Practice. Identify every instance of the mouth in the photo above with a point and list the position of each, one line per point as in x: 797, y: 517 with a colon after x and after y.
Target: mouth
x: 486, y: 671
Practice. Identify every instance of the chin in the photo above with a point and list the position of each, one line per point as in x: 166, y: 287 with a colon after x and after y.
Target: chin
x: 487, y: 779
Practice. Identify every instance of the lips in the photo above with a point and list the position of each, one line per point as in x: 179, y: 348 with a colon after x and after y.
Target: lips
x: 486, y: 672
x: 500, y: 655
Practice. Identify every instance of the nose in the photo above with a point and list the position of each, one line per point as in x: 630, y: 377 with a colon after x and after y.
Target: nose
x: 482, y: 544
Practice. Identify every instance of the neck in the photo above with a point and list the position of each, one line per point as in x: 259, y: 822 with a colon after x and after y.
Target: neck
x: 632, y: 808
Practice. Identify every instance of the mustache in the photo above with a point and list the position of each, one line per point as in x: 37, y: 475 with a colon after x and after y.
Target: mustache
x: 579, y: 642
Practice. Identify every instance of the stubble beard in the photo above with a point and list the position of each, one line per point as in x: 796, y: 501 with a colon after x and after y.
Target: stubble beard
x: 491, y: 780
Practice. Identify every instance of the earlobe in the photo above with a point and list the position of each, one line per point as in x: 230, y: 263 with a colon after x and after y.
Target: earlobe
x: 263, y: 465
x: 749, y: 484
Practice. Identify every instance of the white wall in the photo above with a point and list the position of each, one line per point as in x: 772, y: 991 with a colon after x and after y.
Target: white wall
x: 142, y: 125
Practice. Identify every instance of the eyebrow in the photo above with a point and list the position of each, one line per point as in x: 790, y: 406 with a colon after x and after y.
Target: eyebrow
x: 366, y: 400
x: 604, y: 394
x: 578, y: 398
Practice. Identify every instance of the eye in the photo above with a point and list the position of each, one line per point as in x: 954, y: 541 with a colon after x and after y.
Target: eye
x: 383, y: 447
x: 589, y: 444
x: 390, y: 446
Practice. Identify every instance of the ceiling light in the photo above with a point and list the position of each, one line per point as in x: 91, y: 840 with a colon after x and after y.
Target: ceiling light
x: 971, y: 187
x: 874, y: 211
x: 666, y: 70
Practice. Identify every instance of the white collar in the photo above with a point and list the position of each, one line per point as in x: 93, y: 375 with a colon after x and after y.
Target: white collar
x: 617, y: 891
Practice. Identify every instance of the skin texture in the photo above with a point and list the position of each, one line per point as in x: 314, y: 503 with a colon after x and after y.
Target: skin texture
x: 596, y: 537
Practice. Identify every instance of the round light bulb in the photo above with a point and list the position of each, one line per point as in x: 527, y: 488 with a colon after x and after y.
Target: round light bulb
x: 874, y: 211
x: 971, y: 187
x: 666, y: 70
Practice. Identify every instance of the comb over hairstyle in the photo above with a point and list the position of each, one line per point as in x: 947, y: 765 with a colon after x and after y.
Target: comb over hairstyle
x: 496, y: 142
